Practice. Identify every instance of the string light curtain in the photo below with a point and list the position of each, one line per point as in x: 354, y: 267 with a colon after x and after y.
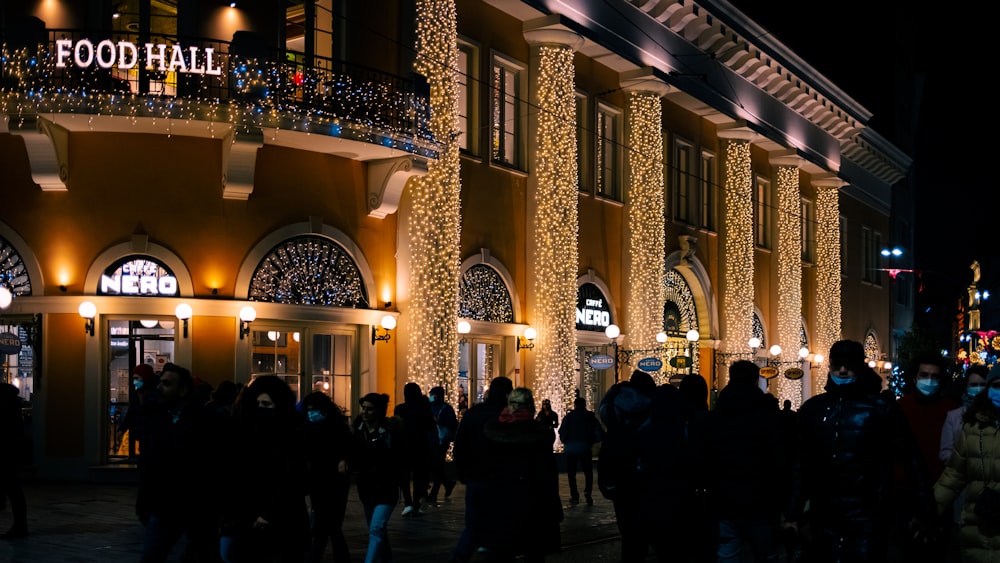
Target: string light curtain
x: 435, y: 223
x: 645, y: 221
x: 739, y: 245
x: 828, y: 269
x: 789, y: 274
x: 555, y: 227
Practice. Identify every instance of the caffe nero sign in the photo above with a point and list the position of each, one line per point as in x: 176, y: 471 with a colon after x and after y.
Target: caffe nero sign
x: 592, y: 310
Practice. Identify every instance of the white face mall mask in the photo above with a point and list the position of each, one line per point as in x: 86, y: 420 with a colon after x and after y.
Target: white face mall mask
x: 928, y: 386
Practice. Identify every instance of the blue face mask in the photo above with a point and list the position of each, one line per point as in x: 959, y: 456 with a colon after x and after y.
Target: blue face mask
x: 138, y: 384
x: 841, y: 380
x: 928, y: 386
x: 994, y: 395
x: 974, y: 390
x: 433, y: 398
x: 315, y: 416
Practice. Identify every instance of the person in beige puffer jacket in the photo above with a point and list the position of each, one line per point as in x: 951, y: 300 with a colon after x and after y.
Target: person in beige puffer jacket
x: 974, y: 466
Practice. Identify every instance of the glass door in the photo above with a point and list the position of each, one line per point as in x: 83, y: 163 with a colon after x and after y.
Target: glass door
x: 331, y: 368
x: 479, y: 361
x: 592, y: 383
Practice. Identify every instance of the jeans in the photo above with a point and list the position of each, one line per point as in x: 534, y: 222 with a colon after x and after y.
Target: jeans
x: 476, y: 509
x: 377, y: 517
x: 585, y: 461
x: 747, y: 540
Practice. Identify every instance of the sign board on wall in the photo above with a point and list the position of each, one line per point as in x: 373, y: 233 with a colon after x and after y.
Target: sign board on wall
x: 592, y: 310
x: 138, y: 275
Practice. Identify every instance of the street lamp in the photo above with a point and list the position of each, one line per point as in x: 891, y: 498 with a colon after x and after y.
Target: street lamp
x: 612, y: 332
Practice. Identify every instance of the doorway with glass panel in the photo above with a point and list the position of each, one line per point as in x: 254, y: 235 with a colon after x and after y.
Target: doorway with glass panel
x: 480, y: 359
x: 308, y: 359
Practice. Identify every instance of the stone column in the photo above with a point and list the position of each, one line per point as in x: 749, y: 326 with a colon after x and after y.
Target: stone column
x: 789, y: 275
x: 644, y: 208
x: 553, y: 209
x: 828, y: 269
x: 737, y: 292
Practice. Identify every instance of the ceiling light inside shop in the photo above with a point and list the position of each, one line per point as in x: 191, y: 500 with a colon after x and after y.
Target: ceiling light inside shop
x: 149, y: 323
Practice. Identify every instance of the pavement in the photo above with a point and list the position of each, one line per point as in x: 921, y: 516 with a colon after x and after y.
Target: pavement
x: 83, y: 522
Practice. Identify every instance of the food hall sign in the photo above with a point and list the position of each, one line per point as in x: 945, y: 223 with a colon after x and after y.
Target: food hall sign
x: 138, y: 276
x: 125, y: 55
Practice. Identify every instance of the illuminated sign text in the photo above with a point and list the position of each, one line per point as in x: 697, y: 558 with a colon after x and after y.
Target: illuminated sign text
x: 125, y: 55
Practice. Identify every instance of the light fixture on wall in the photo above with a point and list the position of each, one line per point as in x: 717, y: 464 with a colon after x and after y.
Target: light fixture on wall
x: 183, y: 313
x: 527, y: 341
x: 382, y: 332
x: 463, y: 328
x: 5, y: 297
x: 88, y: 311
x: 247, y: 315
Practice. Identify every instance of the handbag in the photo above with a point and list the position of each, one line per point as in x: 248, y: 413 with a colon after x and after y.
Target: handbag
x: 988, y: 503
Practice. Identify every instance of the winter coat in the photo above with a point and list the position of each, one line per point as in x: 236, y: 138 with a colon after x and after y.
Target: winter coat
x: 624, y: 409
x: 471, y: 453
x: 974, y: 463
x: 949, y: 433
x: 447, y: 422
x: 926, y: 416
x: 745, y: 449
x: 579, y: 431
x: 327, y: 443
x: 378, y: 462
x: 525, y: 479
x: 850, y: 438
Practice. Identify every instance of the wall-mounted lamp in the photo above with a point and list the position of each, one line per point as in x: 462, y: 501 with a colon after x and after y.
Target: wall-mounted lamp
x: 183, y: 313
x: 5, y: 297
x: 661, y: 337
x: 463, y: 328
x: 88, y: 311
x: 527, y: 342
x: 247, y: 315
x: 775, y: 350
x: 382, y: 332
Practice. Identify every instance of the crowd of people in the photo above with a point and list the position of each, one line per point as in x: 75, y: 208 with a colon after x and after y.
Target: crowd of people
x: 856, y: 474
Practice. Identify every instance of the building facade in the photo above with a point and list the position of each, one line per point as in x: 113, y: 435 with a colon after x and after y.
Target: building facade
x: 358, y: 195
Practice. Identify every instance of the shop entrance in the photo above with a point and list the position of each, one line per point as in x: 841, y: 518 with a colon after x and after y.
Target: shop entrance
x: 480, y: 359
x: 132, y: 342
x: 592, y: 383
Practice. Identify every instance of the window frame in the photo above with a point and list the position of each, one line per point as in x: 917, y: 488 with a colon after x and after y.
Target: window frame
x: 708, y: 198
x: 763, y: 212
x: 584, y: 144
x: 513, y: 137
x: 807, y: 226
x: 683, y: 192
x: 468, y: 94
x: 605, y: 165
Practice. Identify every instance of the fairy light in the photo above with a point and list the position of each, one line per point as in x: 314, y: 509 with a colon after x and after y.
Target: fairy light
x: 556, y: 227
x: 739, y: 247
x: 646, y: 222
x: 827, y: 273
x: 789, y: 278
x: 250, y: 94
x: 435, y: 223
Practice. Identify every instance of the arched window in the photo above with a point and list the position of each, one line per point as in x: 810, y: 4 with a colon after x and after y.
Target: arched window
x: 679, y: 312
x: 309, y: 270
x: 483, y: 296
x: 13, y: 273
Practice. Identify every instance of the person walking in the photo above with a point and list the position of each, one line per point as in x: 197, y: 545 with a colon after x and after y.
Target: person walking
x: 265, y: 516
x: 419, y: 434
x: 12, y: 449
x: 578, y: 434
x: 695, y: 415
x: 328, y: 444
x: 526, y: 477
x: 974, y: 468
x: 745, y: 448
x: 849, y: 438
x: 474, y: 466
x: 179, y: 441
x: 925, y: 406
x: 379, y: 472
x: 447, y: 426
x: 548, y: 416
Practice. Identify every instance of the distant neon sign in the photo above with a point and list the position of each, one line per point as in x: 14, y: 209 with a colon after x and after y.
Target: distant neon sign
x: 125, y: 55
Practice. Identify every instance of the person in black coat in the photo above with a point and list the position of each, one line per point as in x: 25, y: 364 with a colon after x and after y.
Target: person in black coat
x: 474, y: 464
x: 579, y: 432
x: 849, y: 438
x: 447, y: 425
x: 526, y: 477
x: 328, y: 443
x: 12, y: 449
x: 745, y: 450
x: 179, y: 454
x: 419, y: 434
x: 379, y: 472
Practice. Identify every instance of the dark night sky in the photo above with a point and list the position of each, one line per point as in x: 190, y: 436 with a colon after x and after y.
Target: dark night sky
x: 942, y: 59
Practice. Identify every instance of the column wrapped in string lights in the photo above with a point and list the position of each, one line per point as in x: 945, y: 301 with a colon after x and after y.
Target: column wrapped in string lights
x: 828, y: 269
x: 435, y: 222
x: 645, y: 209
x: 555, y: 233
x: 739, y: 244
x: 789, y: 273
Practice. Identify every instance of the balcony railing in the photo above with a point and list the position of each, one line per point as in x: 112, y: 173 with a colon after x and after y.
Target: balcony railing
x: 239, y: 82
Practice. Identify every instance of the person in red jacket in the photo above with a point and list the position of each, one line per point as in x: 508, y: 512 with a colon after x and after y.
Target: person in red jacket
x: 925, y: 405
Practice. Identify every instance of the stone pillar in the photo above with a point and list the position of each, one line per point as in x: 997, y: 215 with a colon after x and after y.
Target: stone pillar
x: 553, y: 217
x: 737, y: 292
x: 789, y: 276
x: 828, y: 269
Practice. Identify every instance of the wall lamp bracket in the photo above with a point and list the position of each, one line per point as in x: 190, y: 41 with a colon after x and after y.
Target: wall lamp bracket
x: 88, y: 311
x: 382, y: 332
x: 247, y: 315
x: 183, y: 312
x: 526, y: 342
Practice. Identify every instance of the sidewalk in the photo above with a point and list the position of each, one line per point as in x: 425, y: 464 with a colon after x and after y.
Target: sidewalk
x: 86, y: 522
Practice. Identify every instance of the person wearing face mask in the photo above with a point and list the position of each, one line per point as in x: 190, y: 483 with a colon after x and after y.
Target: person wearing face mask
x: 975, y: 383
x: 925, y: 406
x: 973, y: 467
x: 328, y: 443
x: 144, y: 383
x: 850, y: 437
